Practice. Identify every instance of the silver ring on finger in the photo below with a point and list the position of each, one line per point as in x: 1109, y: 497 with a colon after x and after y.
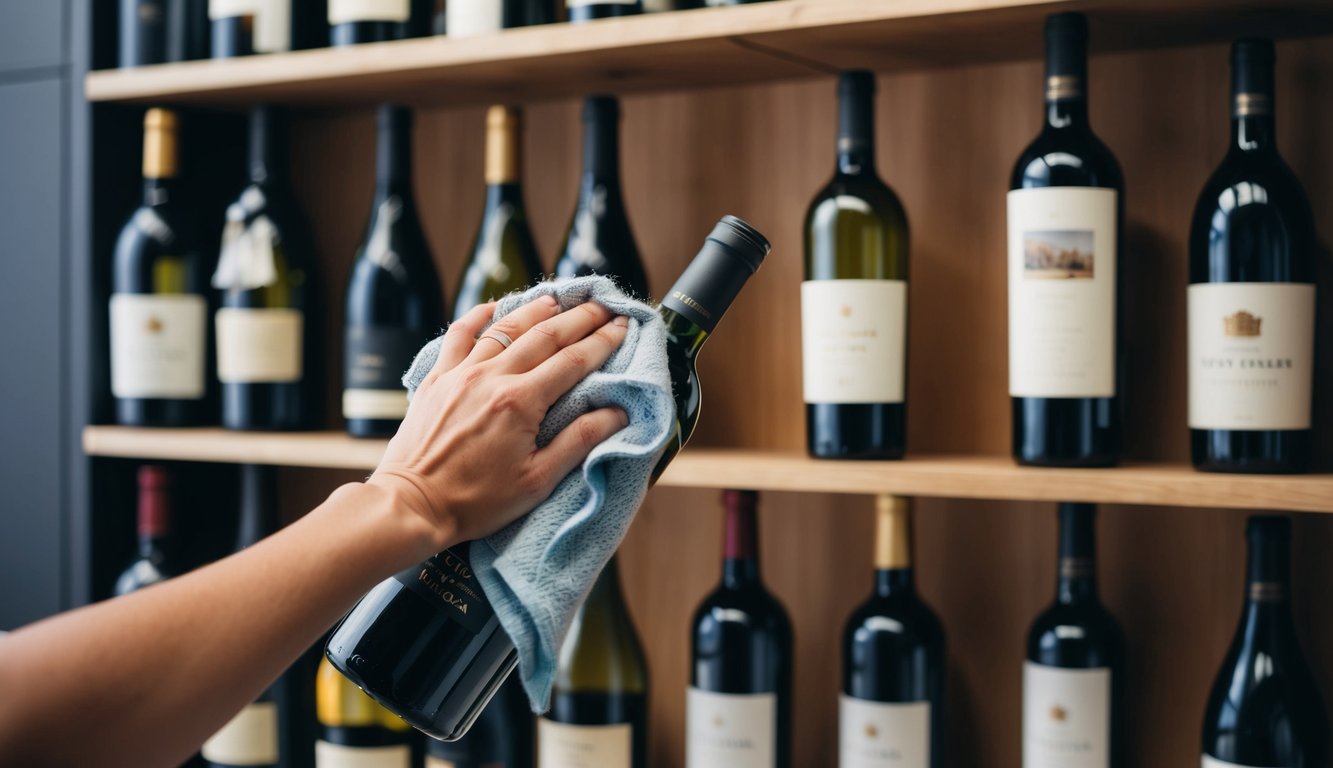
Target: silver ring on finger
x: 499, y: 336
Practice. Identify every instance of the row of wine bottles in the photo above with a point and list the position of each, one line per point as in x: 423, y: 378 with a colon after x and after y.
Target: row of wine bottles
x: 1264, y: 709
x: 157, y: 31
x: 1251, y: 294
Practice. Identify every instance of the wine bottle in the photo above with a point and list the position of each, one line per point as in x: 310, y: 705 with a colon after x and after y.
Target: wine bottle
x: 891, y: 710
x: 352, y: 22
x: 154, y: 525
x: 354, y: 731
x: 251, y: 738
x: 502, y: 737
x: 393, y: 295
x: 1251, y: 296
x: 854, y: 298
x: 188, y: 30
x: 1073, y: 681
x: 1066, y: 214
x: 1264, y: 709
x: 469, y: 18
x: 599, y: 239
x: 599, y: 702
x: 245, y: 27
x: 436, y: 661
x: 738, y: 706
x: 143, y: 32
x: 158, y: 309
x: 580, y: 11
x: 265, y: 341
x: 504, y: 255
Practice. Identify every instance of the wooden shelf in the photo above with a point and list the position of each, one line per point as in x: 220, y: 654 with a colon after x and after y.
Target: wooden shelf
x: 965, y: 477
x: 711, y: 46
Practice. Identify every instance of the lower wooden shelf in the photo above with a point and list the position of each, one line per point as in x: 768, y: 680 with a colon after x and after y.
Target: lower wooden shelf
x: 961, y: 477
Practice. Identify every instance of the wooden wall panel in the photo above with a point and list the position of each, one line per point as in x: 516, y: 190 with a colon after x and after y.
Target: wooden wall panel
x: 947, y: 142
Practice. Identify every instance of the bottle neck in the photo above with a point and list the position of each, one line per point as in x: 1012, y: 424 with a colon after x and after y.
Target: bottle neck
x: 601, y: 151
x: 605, y: 594
x: 1066, y: 114
x: 1252, y: 129
x: 157, y: 191
x: 740, y: 540
x: 856, y: 132
x: 258, y: 517
x: 893, y: 582
x: 1076, y: 577
x: 393, y: 154
x: 154, y: 520
x: 507, y: 193
x: 893, y: 545
x: 267, y: 137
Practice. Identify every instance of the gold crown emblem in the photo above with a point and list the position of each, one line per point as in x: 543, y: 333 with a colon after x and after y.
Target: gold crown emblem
x: 1241, y: 323
x: 1059, y: 714
x: 872, y: 731
x: 153, y: 325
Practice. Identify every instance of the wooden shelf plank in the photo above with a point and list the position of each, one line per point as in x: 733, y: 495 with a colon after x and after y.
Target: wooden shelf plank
x: 710, y: 46
x: 965, y: 477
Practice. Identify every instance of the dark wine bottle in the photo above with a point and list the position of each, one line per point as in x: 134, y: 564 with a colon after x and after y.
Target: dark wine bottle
x: 599, y: 240
x: 854, y: 298
x: 1066, y: 214
x: 436, y: 661
x: 154, y: 525
x: 599, y: 701
x: 143, y: 32
x: 502, y: 737
x: 394, y: 305
x: 352, y: 22
x: 158, y: 308
x: 1252, y: 295
x: 188, y: 30
x: 355, y: 732
x: 891, y: 710
x: 504, y: 254
x: 245, y: 27
x: 1264, y: 709
x: 580, y: 11
x: 265, y: 339
x: 470, y: 18
x: 738, y: 706
x: 1073, y: 681
x: 251, y: 738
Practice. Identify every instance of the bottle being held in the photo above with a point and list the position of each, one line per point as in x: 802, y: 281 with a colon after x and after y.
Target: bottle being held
x: 393, y: 303
x: 1251, y: 296
x: 458, y: 660
x: 891, y: 711
x: 580, y: 11
x: 599, y: 240
x: 158, y: 308
x: 504, y: 254
x: 855, y: 289
x: 154, y: 526
x: 1074, y: 678
x: 1264, y: 708
x: 1066, y: 214
x: 738, y: 705
x: 265, y: 340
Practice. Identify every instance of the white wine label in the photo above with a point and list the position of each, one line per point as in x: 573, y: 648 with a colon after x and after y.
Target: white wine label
x: 226, y: 9
x: 374, y: 403
x: 329, y: 755
x: 658, y: 6
x: 1212, y: 762
x: 259, y: 345
x: 157, y: 345
x: 1066, y: 717
x: 724, y: 730
x: 273, y: 26
x: 582, y: 3
x: 250, y: 738
x: 873, y: 734
x: 854, y: 340
x: 467, y: 18
x: 1251, y: 355
x: 560, y: 745
x: 1062, y: 283
x: 345, y: 11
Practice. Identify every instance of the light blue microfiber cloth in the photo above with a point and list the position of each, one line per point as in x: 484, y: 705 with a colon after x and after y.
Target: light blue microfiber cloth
x: 537, y: 571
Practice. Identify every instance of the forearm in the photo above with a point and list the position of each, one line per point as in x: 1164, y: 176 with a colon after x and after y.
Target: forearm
x: 144, y: 679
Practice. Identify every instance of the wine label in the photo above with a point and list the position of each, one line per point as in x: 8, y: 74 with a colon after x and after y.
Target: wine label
x: 226, y: 9
x: 854, y: 340
x: 725, y: 730
x: 329, y: 755
x: 1212, y: 762
x: 273, y: 26
x: 873, y: 734
x: 1062, y: 283
x: 448, y: 579
x: 561, y: 745
x: 345, y: 11
x: 466, y: 18
x: 259, y: 345
x: 375, y: 359
x: 1066, y: 717
x: 250, y: 738
x: 1251, y: 355
x: 157, y: 345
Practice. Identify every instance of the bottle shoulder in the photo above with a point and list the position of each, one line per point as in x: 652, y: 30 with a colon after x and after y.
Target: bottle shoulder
x: 856, y: 195
x: 904, y: 620
x: 741, y: 610
x: 1066, y: 158
x: 1082, y: 628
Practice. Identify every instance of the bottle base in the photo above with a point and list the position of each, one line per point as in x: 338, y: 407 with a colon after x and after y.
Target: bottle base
x: 1251, y: 452
x: 856, y: 431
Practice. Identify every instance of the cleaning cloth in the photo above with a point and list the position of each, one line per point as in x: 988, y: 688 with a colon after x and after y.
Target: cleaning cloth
x: 537, y: 571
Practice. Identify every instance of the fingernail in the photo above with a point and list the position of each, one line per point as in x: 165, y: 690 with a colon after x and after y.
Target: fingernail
x: 548, y: 300
x: 621, y: 320
x: 624, y: 419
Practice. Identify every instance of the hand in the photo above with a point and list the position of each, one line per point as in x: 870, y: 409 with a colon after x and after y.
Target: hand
x: 465, y: 458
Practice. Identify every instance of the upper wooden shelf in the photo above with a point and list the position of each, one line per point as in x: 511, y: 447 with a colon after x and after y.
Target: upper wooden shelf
x: 684, y: 49
x: 963, y: 477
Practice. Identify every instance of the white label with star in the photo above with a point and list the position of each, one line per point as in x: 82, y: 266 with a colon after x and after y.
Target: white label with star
x: 873, y: 734
x: 1066, y: 717
x: 157, y: 345
x: 730, y: 730
x: 854, y: 340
